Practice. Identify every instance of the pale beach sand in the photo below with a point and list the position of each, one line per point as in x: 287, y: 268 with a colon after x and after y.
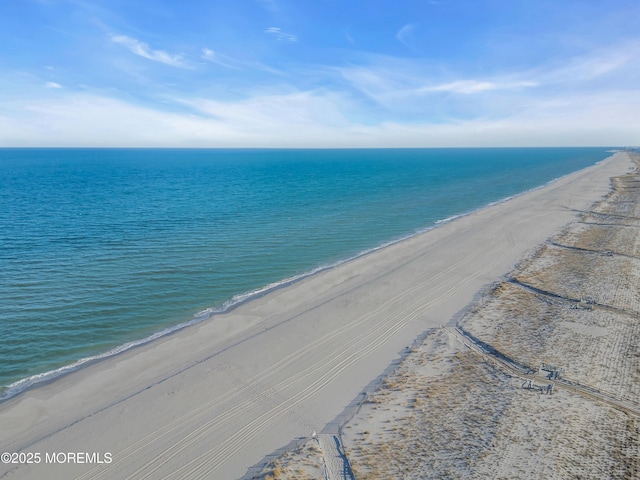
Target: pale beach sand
x: 214, y: 399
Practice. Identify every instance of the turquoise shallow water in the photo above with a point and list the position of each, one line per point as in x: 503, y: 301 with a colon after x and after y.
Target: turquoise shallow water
x: 100, y: 247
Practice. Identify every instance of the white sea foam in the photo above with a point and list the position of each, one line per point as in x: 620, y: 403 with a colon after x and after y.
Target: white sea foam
x: 449, y: 219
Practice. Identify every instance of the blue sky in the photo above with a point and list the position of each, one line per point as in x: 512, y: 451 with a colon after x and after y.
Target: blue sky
x: 319, y: 73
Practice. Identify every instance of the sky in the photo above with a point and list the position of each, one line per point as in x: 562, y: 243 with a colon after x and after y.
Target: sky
x: 319, y: 73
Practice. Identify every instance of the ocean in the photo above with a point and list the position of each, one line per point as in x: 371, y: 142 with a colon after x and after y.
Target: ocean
x: 103, y: 249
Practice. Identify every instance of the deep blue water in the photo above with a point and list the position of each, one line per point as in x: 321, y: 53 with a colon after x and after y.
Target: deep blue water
x: 100, y: 247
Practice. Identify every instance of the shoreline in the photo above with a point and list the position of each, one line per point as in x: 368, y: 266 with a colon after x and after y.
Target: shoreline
x: 248, y: 358
x: 35, y: 381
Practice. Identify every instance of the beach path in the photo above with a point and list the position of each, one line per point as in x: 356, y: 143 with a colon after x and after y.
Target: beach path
x: 335, y: 461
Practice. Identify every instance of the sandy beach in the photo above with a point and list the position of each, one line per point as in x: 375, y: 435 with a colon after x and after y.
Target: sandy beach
x: 212, y: 400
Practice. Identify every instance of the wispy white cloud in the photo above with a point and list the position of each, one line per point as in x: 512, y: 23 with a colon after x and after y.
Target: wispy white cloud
x: 468, y: 87
x: 210, y: 55
x: 299, y: 119
x: 436, y: 89
x: 270, y: 112
x: 52, y: 85
x: 277, y: 32
x: 312, y: 119
x: 236, y: 64
x: 388, y: 80
x: 378, y: 81
x: 350, y: 39
x: 404, y: 33
x: 219, y: 59
x: 143, y: 50
x: 592, y: 65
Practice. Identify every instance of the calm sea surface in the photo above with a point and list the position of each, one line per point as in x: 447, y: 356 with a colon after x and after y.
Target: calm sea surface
x: 103, y: 247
